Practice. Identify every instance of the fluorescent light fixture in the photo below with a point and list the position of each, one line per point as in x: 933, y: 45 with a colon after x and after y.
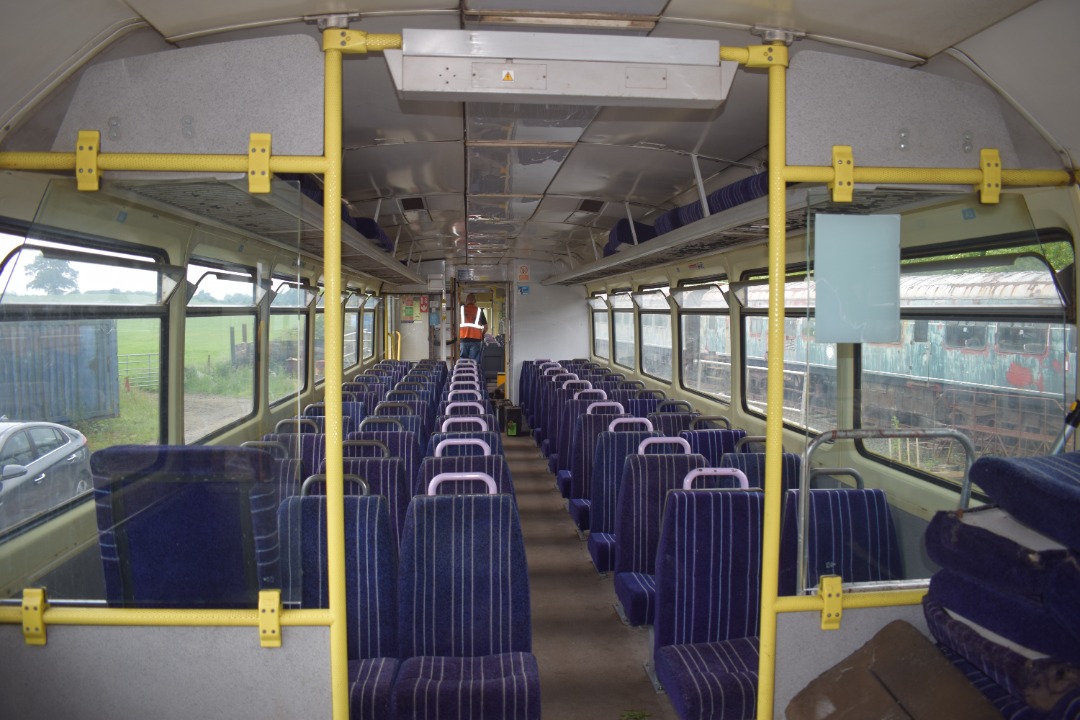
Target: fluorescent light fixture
x: 523, y: 67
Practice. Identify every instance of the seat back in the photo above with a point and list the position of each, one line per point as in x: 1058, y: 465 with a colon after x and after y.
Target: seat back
x: 370, y: 568
x: 399, y: 443
x: 671, y: 424
x: 492, y: 439
x: 851, y: 535
x: 708, y: 567
x: 612, y: 448
x: 753, y: 466
x: 384, y: 476
x: 463, y: 583
x: 587, y: 429
x: 186, y: 526
x: 713, y: 444
x: 493, y: 465
x: 639, y: 506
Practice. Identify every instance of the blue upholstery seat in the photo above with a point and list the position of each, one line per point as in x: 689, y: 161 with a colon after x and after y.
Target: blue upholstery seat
x: 574, y: 407
x: 587, y: 429
x: 399, y: 443
x: 644, y: 402
x: 713, y: 444
x: 465, y: 634
x: 353, y: 410
x: 851, y: 535
x: 408, y: 407
x: 384, y: 476
x: 753, y: 466
x: 186, y: 526
x: 493, y: 440
x: 645, y: 482
x: 670, y: 424
x: 612, y: 448
x: 370, y: 589
x: 493, y: 465
x: 708, y: 578
x: 465, y: 423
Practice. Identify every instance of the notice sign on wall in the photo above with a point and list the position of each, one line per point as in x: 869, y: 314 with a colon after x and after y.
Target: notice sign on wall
x: 522, y: 273
x: 408, y: 309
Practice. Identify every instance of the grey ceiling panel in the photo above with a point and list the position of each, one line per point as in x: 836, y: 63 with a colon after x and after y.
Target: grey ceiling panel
x: 920, y: 27
x: 513, y: 170
x: 406, y: 169
x: 526, y: 122
x: 637, y: 175
x: 726, y: 132
x: 650, y: 8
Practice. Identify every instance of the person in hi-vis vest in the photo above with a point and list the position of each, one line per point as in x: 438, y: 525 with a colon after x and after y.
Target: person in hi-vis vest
x: 471, y: 329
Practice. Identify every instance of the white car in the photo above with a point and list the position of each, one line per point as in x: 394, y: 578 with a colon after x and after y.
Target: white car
x: 42, y: 465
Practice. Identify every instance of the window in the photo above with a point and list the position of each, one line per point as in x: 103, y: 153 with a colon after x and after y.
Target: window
x: 601, y: 326
x: 320, y: 337
x: 965, y: 335
x: 995, y: 363
x: 655, y: 320
x: 220, y: 350
x: 622, y: 312
x: 369, y: 326
x: 287, y: 366
x: 810, y: 399
x: 351, y: 321
x: 81, y: 337
x: 705, y: 339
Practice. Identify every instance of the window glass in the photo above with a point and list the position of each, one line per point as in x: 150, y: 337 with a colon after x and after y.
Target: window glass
x: 220, y: 349
x: 288, y: 361
x: 352, y: 329
x: 219, y: 372
x: 624, y: 331
x: 809, y: 372
x: 655, y: 319
x: 1001, y: 378
x: 49, y: 272
x: 706, y: 353
x: 369, y: 334
x: 601, y: 326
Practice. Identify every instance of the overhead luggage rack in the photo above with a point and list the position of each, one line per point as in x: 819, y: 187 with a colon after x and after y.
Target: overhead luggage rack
x: 744, y: 224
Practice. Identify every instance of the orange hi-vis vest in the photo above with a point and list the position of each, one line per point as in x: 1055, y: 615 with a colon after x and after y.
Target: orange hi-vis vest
x: 470, y: 328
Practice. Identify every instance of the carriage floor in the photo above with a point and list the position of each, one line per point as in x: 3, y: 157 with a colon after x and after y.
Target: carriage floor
x: 591, y: 664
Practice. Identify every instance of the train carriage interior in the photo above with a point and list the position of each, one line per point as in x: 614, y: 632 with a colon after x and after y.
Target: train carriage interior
x: 503, y: 359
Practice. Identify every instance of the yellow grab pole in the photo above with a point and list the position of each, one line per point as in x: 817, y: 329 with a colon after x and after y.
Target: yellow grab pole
x: 165, y: 617
x: 774, y: 420
x: 335, y: 485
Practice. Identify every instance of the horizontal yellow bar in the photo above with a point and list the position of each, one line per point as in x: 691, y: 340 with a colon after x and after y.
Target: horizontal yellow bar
x: 166, y: 617
x: 933, y: 176
x: 885, y: 598
x: 740, y: 55
x: 149, y: 162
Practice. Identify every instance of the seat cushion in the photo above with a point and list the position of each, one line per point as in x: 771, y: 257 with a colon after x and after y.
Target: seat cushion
x: 637, y: 595
x: 371, y: 685
x: 454, y: 688
x: 602, y: 551
x: 579, y: 512
x: 715, y: 681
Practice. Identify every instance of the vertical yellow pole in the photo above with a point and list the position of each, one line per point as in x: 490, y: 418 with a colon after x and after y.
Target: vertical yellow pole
x: 335, y: 503
x: 774, y: 421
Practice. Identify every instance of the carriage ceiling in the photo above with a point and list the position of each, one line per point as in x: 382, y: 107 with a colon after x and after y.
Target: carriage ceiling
x: 488, y: 183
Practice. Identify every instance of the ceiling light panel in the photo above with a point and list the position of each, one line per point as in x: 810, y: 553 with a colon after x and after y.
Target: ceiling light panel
x: 555, y: 67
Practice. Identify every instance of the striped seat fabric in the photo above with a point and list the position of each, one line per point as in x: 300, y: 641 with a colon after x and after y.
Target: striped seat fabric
x: 186, y: 526
x: 370, y: 587
x: 708, y: 583
x: 851, y: 535
x: 464, y: 618
x: 645, y: 482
